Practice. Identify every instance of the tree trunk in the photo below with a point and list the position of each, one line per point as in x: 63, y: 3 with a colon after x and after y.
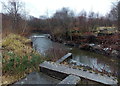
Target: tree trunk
x: 119, y: 15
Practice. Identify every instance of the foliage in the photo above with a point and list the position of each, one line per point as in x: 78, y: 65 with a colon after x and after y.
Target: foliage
x: 18, y: 56
x: 16, y: 64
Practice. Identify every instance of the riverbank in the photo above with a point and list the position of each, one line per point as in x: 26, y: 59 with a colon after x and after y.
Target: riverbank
x: 82, y: 58
x: 42, y: 44
x: 108, y: 45
x: 18, y: 58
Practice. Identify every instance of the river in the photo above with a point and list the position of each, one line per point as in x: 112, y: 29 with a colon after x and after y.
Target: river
x: 41, y: 43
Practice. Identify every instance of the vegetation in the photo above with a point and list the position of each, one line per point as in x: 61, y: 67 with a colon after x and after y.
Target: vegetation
x: 18, y: 57
x: 14, y: 17
x: 64, y: 26
x: 59, y: 25
x: 63, y: 22
x: 55, y: 53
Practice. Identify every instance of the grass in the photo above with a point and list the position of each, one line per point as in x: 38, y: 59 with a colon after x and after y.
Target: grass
x: 18, y: 58
x: 16, y: 64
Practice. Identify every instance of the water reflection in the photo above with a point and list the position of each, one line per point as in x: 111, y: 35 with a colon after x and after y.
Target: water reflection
x: 96, y: 61
x: 93, y: 60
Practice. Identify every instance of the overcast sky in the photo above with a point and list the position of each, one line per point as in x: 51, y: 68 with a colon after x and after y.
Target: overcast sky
x: 40, y: 7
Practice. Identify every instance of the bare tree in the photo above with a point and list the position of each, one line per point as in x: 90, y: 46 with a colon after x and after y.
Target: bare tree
x: 82, y: 19
x: 92, y: 21
x: 64, y: 20
x: 118, y: 6
x: 15, y: 9
x: 115, y: 13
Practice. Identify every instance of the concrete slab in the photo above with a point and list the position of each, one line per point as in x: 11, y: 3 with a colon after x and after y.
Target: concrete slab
x: 70, y: 80
x: 58, y: 68
x: 67, y: 56
x: 37, y: 78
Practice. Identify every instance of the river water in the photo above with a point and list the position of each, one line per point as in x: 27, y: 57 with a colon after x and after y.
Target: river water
x: 41, y: 43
